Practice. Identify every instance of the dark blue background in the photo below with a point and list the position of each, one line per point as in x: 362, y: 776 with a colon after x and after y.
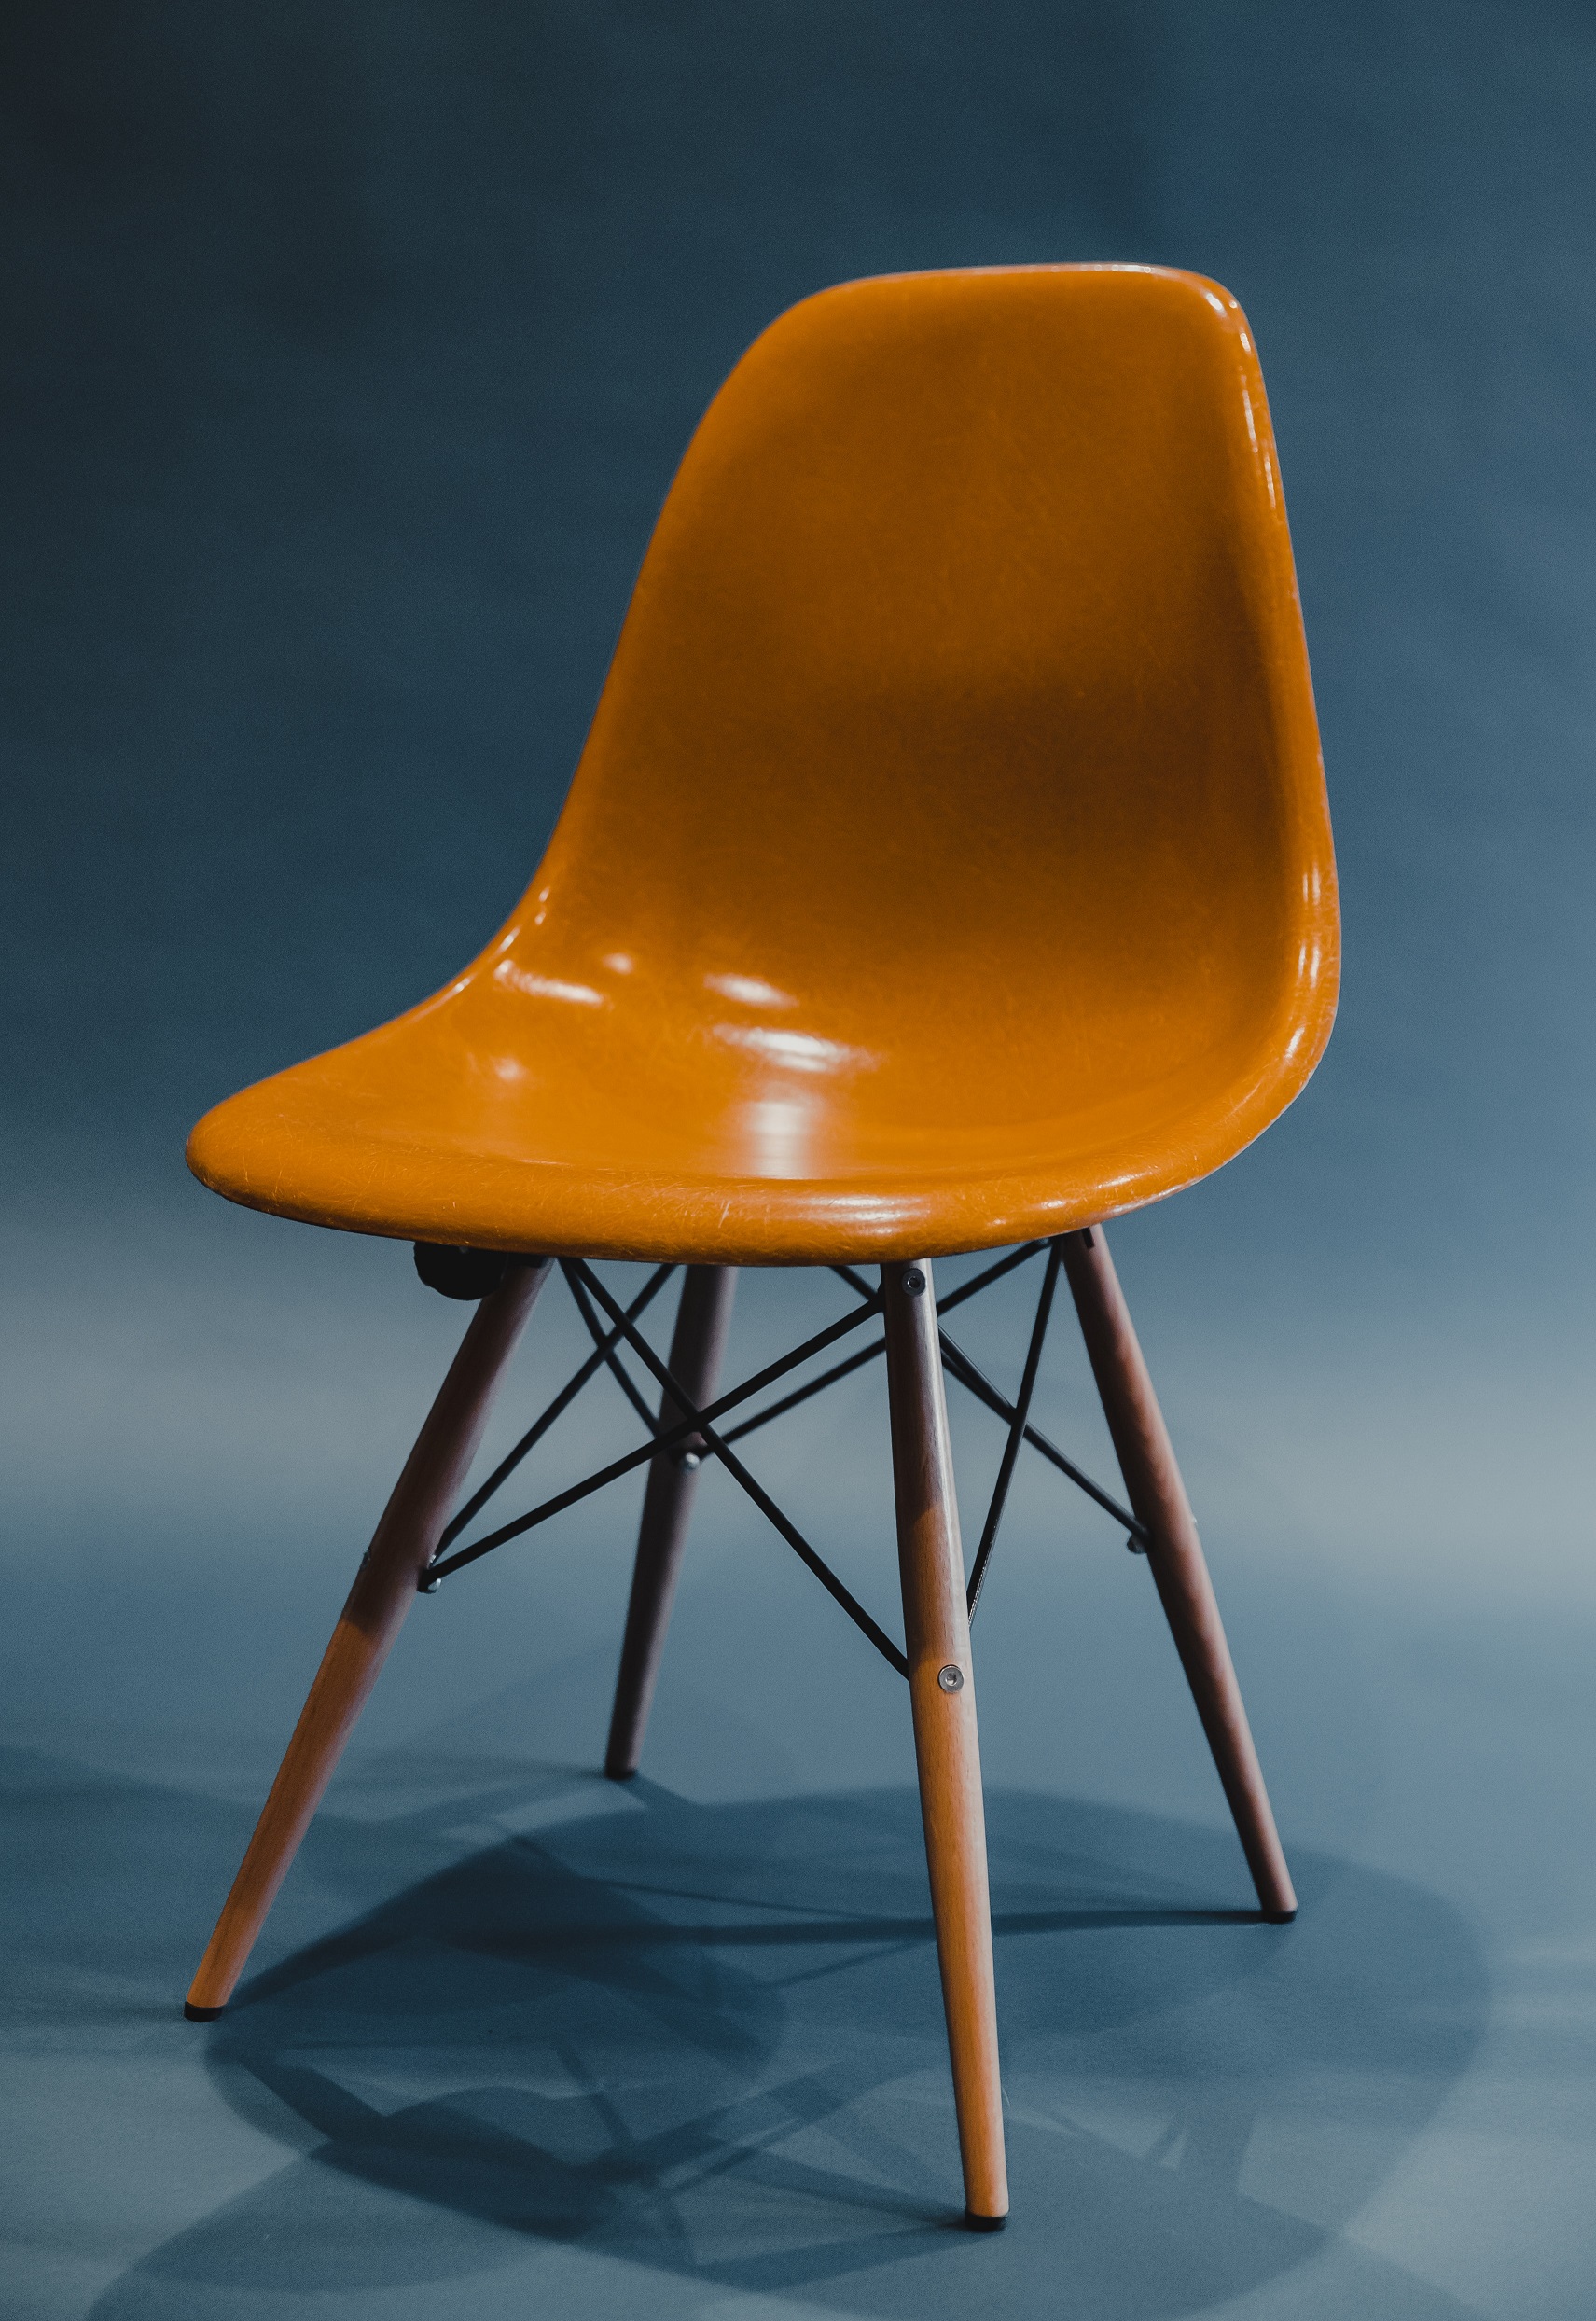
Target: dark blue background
x: 348, y: 352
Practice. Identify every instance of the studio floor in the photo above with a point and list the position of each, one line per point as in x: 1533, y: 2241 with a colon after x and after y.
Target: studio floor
x: 520, y: 2041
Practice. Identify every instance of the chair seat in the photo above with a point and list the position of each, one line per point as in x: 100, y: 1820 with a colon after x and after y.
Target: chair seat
x: 592, y: 1115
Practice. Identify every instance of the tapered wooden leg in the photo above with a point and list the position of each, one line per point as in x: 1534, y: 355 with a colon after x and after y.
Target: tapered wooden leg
x: 697, y: 1348
x: 384, y: 1591
x: 942, y: 1694
x: 1180, y: 1573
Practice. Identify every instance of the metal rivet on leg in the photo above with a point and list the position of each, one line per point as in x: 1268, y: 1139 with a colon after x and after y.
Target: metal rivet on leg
x: 951, y: 1679
x: 1134, y: 1545
x: 913, y: 1281
x: 688, y: 1460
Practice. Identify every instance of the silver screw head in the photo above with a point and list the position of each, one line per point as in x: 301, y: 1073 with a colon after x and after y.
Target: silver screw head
x: 951, y: 1679
x: 913, y: 1281
x: 687, y: 1461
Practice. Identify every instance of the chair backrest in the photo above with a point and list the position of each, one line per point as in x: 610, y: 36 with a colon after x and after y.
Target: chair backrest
x: 963, y: 707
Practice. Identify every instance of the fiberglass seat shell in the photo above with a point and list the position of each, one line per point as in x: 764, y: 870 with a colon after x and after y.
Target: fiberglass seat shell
x: 948, y: 860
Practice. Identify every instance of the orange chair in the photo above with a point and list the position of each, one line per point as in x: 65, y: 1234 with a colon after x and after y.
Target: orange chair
x: 947, y: 868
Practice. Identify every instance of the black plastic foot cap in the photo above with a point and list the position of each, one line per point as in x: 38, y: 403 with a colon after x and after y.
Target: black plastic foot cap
x: 1278, y: 1917
x: 984, y: 2224
x: 200, y: 2014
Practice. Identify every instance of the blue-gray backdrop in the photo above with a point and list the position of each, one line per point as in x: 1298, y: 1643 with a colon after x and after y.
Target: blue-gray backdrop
x: 348, y: 351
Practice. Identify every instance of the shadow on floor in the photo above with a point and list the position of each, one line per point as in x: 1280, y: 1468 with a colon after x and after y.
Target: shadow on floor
x: 706, y: 2040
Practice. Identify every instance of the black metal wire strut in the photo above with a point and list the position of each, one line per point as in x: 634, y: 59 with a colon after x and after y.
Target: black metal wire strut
x: 734, y: 1466
x: 872, y: 1352
x: 540, y: 1425
x: 668, y: 1439
x: 957, y: 1364
x: 606, y: 1346
x: 1016, y: 1431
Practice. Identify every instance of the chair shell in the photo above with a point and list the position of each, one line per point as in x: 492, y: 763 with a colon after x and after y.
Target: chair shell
x: 948, y: 860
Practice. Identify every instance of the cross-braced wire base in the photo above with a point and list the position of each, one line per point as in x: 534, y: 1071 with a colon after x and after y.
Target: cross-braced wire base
x: 696, y: 1430
x: 414, y: 1550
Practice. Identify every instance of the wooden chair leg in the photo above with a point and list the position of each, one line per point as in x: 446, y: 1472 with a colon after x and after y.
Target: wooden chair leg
x: 697, y: 1349
x: 1180, y: 1573
x: 384, y: 1591
x: 947, y: 1747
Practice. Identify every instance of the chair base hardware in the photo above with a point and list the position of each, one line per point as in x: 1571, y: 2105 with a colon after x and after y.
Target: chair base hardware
x: 466, y: 1274
x: 694, y: 1436
x: 415, y: 1549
